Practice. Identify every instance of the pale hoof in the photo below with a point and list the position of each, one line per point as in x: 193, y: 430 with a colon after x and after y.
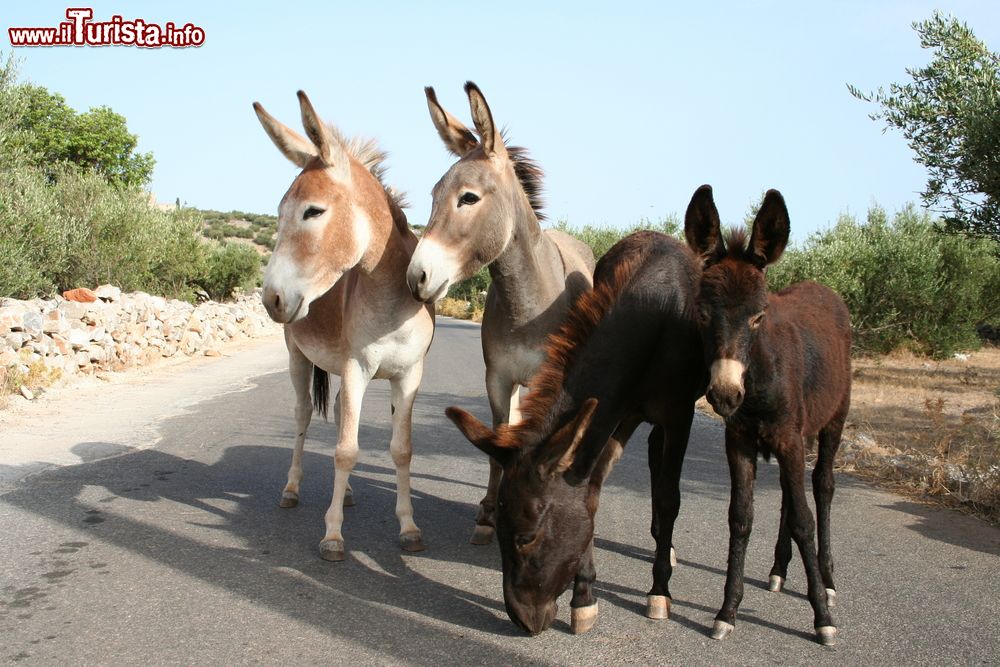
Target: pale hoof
x: 658, y: 607
x: 776, y: 584
x: 411, y: 542
x: 831, y: 598
x: 721, y: 630
x: 332, y: 550
x: 288, y: 499
x: 673, y: 557
x: 583, y: 619
x: 827, y: 635
x: 348, y: 499
x: 482, y: 535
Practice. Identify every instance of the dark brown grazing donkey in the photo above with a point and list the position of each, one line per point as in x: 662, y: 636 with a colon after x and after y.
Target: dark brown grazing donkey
x: 780, y: 372
x: 628, y: 351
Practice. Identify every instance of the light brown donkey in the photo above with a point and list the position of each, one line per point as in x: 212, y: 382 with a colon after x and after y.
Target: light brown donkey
x: 486, y: 211
x: 336, y: 280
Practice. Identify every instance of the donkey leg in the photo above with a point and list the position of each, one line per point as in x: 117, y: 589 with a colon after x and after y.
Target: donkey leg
x: 349, y: 495
x: 823, y: 487
x: 782, y: 550
x: 353, y: 382
x: 742, y: 458
x: 666, y: 494
x: 502, y: 395
x: 404, y: 392
x: 583, y: 605
x: 300, y: 370
x: 802, y: 527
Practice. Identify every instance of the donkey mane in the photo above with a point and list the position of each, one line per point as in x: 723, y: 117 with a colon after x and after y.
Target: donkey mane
x: 563, y: 346
x: 366, y: 151
x: 529, y: 174
x: 736, y: 245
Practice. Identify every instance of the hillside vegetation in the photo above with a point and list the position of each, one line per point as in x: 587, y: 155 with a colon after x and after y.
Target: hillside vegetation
x: 74, y: 212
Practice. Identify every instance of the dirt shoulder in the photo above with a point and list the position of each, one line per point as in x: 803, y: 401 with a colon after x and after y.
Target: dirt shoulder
x: 929, y: 427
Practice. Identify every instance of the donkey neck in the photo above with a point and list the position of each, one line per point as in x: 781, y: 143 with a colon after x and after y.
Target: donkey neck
x: 528, y: 275
x: 389, y: 248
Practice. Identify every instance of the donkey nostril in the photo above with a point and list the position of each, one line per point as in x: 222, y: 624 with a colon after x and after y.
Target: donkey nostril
x: 423, y: 279
x: 277, y: 302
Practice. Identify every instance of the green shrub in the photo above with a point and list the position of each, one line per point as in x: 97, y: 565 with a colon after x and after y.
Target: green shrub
x: 906, y: 283
x: 232, y: 231
x: 231, y: 266
x: 32, y: 245
x: 264, y: 238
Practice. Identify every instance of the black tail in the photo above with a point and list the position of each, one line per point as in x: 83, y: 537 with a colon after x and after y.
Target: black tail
x: 321, y: 390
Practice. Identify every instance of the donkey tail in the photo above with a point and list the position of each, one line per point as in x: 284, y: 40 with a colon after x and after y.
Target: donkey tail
x: 321, y: 390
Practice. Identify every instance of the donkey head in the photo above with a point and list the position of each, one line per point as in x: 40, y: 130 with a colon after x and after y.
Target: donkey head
x: 475, y: 202
x: 545, y: 513
x: 732, y: 300
x: 322, y: 231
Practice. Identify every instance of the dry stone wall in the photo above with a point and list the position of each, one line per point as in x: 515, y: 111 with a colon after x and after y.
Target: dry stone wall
x: 118, y: 331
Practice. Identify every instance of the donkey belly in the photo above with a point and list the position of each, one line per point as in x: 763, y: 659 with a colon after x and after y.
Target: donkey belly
x: 323, y: 352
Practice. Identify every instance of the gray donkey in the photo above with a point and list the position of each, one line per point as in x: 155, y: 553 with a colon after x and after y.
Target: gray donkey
x: 486, y: 211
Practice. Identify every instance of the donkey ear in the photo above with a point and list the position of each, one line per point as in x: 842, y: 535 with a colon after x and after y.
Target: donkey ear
x: 561, y: 452
x: 702, y: 226
x: 292, y: 145
x: 770, y: 230
x: 456, y: 137
x: 479, y: 435
x: 331, y: 151
x: 493, y: 144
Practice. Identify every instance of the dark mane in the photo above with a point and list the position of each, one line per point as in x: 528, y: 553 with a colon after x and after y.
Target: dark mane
x: 736, y: 244
x: 561, y: 348
x: 530, y: 176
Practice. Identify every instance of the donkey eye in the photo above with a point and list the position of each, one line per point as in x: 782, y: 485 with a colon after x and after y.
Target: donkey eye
x: 468, y: 199
x: 756, y: 320
x: 313, y: 212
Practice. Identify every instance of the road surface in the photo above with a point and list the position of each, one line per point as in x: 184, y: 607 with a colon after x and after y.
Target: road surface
x: 157, y: 539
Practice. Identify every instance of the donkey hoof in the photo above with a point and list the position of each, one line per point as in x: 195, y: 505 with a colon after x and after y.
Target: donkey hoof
x: 332, y: 550
x: 583, y: 619
x: 721, y: 629
x: 288, y: 499
x: 348, y: 499
x: 658, y: 607
x: 482, y: 535
x: 673, y: 557
x: 831, y: 598
x: 827, y: 635
x: 411, y: 541
x: 776, y: 584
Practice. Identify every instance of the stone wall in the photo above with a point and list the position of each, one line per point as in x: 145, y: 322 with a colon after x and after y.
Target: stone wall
x: 63, y: 338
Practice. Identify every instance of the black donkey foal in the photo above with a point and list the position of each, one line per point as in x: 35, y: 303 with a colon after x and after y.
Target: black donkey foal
x: 780, y: 370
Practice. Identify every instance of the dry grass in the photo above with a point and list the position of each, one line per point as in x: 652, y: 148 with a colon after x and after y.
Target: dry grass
x: 930, y: 428
x: 459, y: 309
x: 38, y: 376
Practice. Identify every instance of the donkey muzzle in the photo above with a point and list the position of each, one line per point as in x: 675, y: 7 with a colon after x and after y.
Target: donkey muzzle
x: 280, y: 307
x: 725, y: 389
x: 533, y: 619
x: 429, y: 274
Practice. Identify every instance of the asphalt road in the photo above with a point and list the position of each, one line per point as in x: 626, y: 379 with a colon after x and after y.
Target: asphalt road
x: 164, y: 544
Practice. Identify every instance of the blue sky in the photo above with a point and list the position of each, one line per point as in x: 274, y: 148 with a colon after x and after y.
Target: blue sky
x: 628, y: 106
